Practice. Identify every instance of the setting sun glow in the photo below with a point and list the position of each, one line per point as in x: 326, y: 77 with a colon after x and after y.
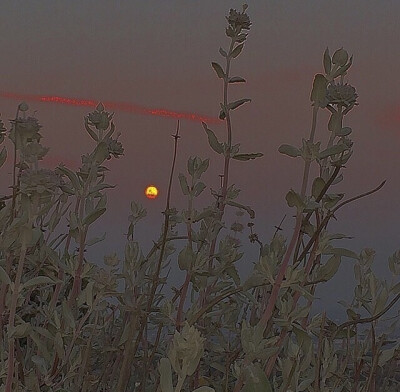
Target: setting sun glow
x: 151, y: 192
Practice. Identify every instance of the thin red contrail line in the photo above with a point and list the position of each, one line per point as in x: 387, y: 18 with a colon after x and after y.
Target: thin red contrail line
x: 119, y: 106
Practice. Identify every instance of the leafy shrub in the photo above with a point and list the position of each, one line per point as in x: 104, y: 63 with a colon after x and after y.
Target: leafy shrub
x: 66, y: 327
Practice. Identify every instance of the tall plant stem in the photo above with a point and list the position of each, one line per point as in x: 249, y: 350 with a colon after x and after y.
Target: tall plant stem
x: 127, y: 361
x: 269, y: 309
x: 14, y: 298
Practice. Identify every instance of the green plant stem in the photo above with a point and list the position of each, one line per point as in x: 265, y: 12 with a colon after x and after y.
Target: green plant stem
x: 13, y: 308
x: 124, y: 375
x: 269, y: 309
x: 14, y: 298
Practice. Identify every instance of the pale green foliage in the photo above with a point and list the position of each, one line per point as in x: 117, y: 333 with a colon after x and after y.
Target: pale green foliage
x: 66, y: 327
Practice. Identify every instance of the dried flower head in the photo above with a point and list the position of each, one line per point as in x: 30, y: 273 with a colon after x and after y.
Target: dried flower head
x: 100, y: 119
x: 238, y: 20
x: 342, y: 94
x: 42, y: 181
x: 34, y: 151
x: 114, y: 147
x: 24, y: 130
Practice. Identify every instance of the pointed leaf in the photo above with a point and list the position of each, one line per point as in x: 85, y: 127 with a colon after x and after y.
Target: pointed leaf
x: 317, y: 186
x: 239, y: 102
x: 289, y: 150
x: 246, y: 208
x: 247, y: 157
x: 89, y: 219
x: 37, y: 281
x: 329, y: 269
x: 327, y: 61
x: 212, y: 140
x: 165, y: 375
x: 318, y: 92
x: 90, y: 131
x: 236, y: 79
x: 184, y: 185
x: 3, y: 156
x: 337, y: 149
x: 218, y: 69
x: 4, y: 278
x: 235, y: 52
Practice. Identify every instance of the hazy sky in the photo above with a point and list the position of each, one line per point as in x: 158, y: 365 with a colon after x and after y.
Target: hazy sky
x: 158, y: 54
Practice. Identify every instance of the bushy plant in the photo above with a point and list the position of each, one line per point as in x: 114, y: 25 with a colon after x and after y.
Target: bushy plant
x: 66, y: 327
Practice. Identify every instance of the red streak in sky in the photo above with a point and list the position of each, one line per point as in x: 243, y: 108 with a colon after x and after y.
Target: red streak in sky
x: 119, y: 106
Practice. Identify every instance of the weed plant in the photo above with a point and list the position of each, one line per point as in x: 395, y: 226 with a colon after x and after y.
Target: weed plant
x: 60, y: 331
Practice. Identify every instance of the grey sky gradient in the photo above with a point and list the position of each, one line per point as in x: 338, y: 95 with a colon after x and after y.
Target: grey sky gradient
x: 158, y: 54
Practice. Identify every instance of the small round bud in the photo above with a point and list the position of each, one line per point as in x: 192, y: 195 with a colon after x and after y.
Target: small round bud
x: 23, y: 107
x: 340, y: 57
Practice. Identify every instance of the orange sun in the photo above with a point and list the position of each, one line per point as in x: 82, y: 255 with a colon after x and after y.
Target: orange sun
x: 151, y: 192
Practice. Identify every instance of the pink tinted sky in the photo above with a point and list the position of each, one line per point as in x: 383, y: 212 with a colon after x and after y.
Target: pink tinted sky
x: 157, y: 54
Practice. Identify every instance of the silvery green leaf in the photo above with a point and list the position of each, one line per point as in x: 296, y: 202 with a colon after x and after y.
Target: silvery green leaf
x: 256, y: 380
x: 239, y: 102
x: 93, y: 216
x: 340, y: 57
x: 395, y: 289
x: 327, y: 61
x: 232, y: 272
x: 59, y: 345
x: 330, y: 200
x: 394, y: 263
x: 247, y: 157
x: 67, y: 314
x: 90, y: 131
x: 37, y: 281
x: 212, y: 140
x: 20, y: 331
x: 96, y: 240
x: 381, y: 300
x: 305, y: 384
x: 223, y: 53
x: 336, y: 149
x: 345, y: 131
x: 40, y: 363
x: 338, y: 179
x: 236, y: 79
x: 246, y: 208
x: 100, y: 152
x: 318, y: 92
x: 329, y: 269
x: 3, y: 156
x: 218, y: 69
x: 317, y: 186
x: 71, y: 175
x: 183, y: 183
x: 343, y: 70
x: 294, y: 200
x: 4, y: 278
x: 186, y: 258
x: 335, y: 122
x: 198, y: 188
x: 165, y: 375
x: 289, y: 150
x: 235, y: 52
x: 343, y: 252
x: 386, y: 355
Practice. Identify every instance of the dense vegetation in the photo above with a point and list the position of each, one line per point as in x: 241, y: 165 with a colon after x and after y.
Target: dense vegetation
x: 60, y: 331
